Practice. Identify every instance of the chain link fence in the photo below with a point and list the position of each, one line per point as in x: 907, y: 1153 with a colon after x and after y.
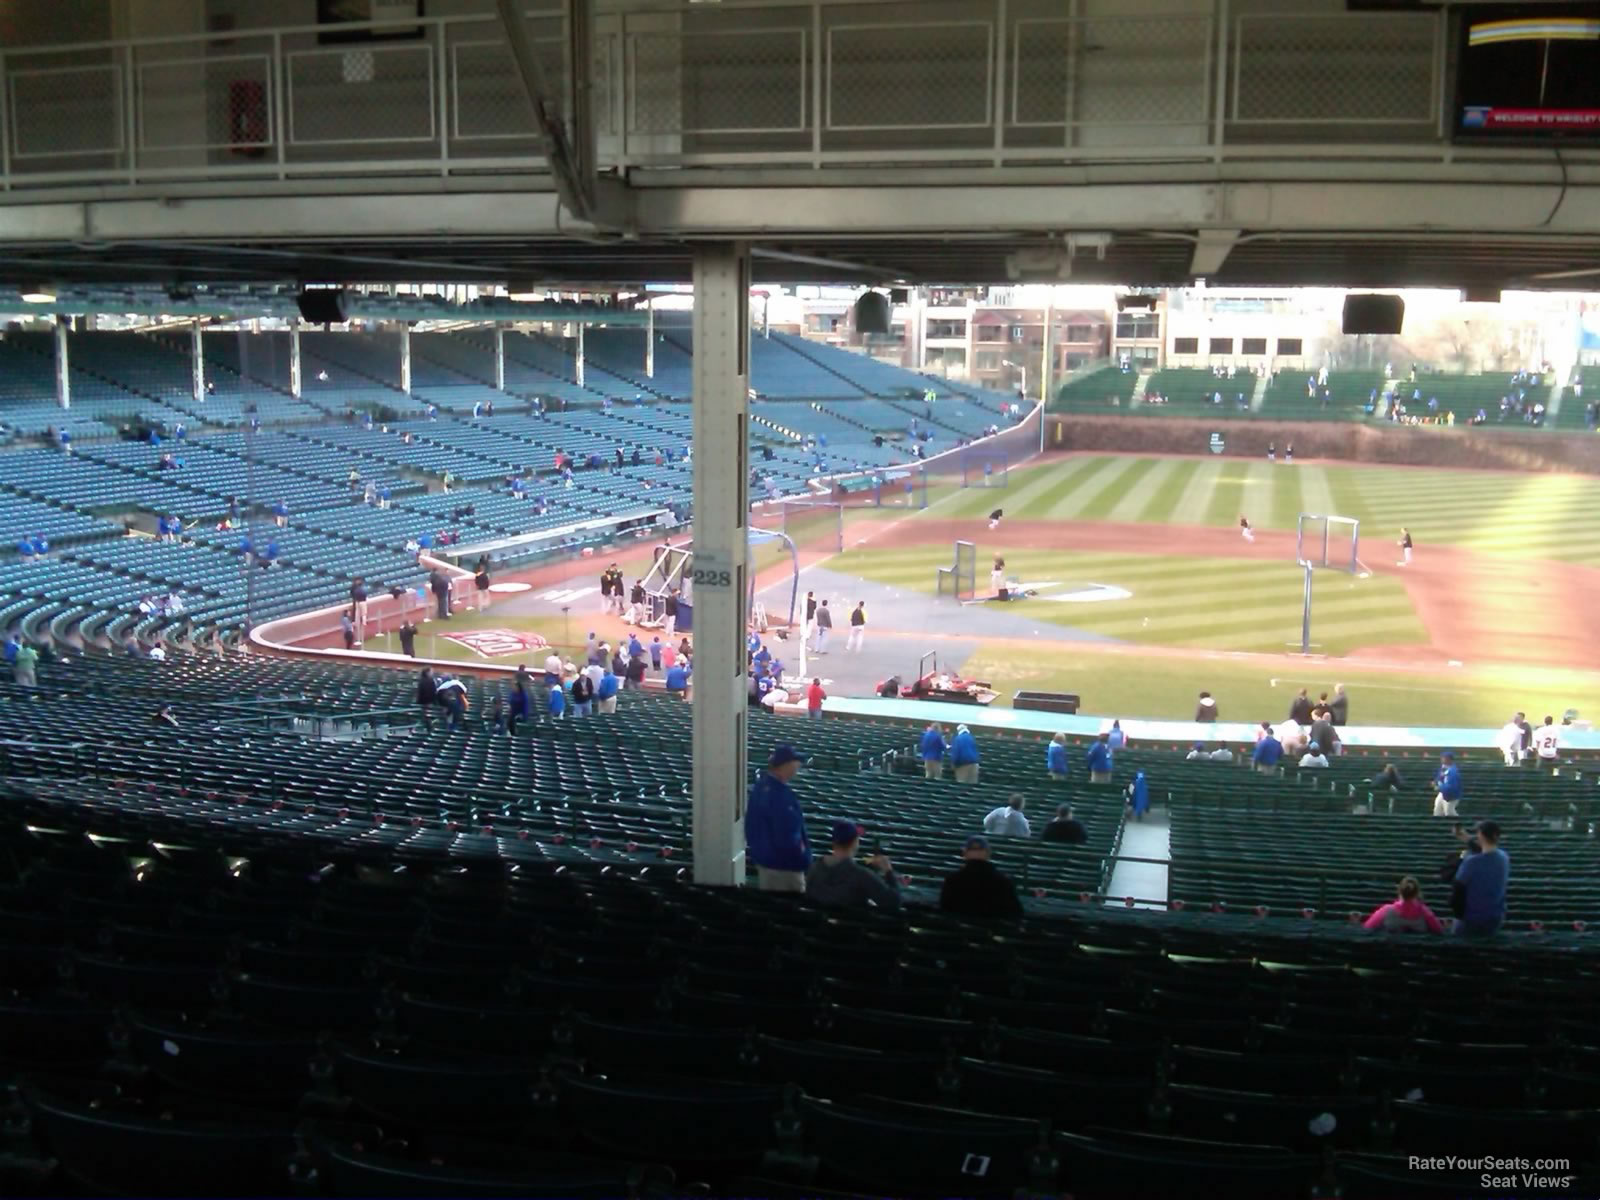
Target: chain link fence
x: 741, y: 81
x: 1339, y: 68
x: 1041, y: 71
x: 1111, y: 71
x: 488, y: 101
x: 937, y: 75
x: 366, y: 94
x: 222, y: 102
x: 654, y: 84
x: 1143, y: 71
x: 65, y: 112
x: 932, y: 81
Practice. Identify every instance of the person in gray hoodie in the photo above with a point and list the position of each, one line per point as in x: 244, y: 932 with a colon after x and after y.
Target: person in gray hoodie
x: 839, y: 880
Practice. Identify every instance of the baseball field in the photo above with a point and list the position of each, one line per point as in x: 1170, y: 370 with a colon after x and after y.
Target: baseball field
x: 1145, y: 591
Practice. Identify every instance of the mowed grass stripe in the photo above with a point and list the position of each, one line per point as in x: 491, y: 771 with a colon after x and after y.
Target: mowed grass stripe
x: 1278, y: 630
x: 1115, y: 488
x: 1134, y: 499
x: 1539, y: 519
x: 1240, y: 486
x: 1160, y: 505
x: 1580, y: 546
x: 1514, y: 507
x: 1195, y: 499
x: 1022, y: 497
x: 1061, y: 499
x: 1287, y: 504
x: 1179, y: 582
x: 1271, y: 627
x: 1316, y: 496
x: 1287, y: 637
x: 1184, y: 594
x: 1345, y: 490
x: 1184, y: 619
x: 1240, y: 574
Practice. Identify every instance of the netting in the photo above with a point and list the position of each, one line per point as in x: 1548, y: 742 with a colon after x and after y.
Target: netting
x: 983, y: 469
x: 960, y: 579
x: 1332, y: 542
x: 813, y: 524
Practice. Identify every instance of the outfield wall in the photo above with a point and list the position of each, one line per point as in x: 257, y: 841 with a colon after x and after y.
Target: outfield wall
x: 1419, y: 446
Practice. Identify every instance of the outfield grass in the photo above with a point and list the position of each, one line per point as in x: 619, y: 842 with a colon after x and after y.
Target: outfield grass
x: 1166, y: 688
x: 1504, y: 513
x: 1197, y: 603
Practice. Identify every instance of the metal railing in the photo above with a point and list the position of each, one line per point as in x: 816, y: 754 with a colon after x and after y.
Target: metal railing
x: 752, y: 83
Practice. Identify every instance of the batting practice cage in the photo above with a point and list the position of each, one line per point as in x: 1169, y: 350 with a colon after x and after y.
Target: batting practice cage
x: 960, y: 579
x: 1321, y: 543
x: 775, y: 605
x: 809, y: 524
x: 1329, y: 542
x: 984, y: 468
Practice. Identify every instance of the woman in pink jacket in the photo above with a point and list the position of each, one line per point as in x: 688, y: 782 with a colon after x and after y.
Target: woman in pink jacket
x: 1408, y: 914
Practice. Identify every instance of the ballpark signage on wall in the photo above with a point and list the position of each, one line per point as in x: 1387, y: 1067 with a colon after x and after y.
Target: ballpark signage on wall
x: 1217, y: 444
x: 496, y: 643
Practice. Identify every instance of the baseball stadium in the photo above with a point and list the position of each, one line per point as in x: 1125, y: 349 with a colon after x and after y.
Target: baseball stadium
x: 799, y: 599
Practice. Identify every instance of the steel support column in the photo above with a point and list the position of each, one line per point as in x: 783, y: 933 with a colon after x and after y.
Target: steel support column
x: 650, y: 342
x: 721, y: 481
x: 197, y: 363
x: 405, y: 359
x: 500, y: 358
x: 63, y: 365
x: 580, y: 354
x: 296, y: 383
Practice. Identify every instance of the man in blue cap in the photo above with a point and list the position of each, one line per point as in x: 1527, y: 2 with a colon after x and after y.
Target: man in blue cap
x: 839, y: 880
x: 964, y: 755
x: 1447, y: 784
x: 1098, y: 759
x: 775, y: 828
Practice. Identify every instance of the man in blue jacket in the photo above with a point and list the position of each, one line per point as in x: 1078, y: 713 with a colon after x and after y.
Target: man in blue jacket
x: 1448, y: 785
x: 1098, y: 759
x: 678, y: 678
x: 1481, y: 882
x: 1268, y: 751
x: 932, y: 749
x: 1055, y: 757
x: 605, y: 692
x: 964, y: 755
x: 775, y: 828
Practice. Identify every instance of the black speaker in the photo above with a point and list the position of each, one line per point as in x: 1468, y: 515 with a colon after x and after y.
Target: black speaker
x: 1373, y: 313
x: 872, y: 313
x: 322, y: 306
